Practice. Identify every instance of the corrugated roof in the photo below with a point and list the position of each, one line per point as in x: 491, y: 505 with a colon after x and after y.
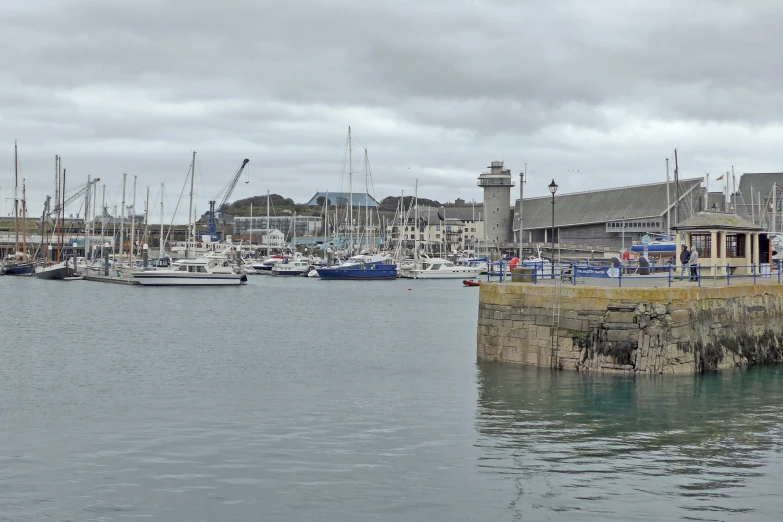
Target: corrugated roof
x: 712, y: 220
x: 760, y: 182
x: 600, y: 206
x: 342, y: 198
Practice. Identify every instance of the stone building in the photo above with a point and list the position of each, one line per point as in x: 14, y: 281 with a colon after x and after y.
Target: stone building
x: 497, y: 184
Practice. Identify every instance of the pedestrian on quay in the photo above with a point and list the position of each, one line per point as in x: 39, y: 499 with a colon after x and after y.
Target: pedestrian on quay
x: 685, y: 257
x: 693, y: 261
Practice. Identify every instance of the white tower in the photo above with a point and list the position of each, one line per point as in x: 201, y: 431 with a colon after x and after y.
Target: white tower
x: 497, y: 184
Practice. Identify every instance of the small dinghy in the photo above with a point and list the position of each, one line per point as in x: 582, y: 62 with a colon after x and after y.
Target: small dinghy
x: 470, y: 282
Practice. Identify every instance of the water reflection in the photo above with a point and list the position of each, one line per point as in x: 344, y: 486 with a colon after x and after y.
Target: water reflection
x: 608, y: 447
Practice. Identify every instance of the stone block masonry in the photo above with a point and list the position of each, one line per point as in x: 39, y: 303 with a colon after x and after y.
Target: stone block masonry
x: 632, y: 330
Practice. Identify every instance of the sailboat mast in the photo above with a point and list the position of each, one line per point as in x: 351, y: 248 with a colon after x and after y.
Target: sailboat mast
x: 16, y: 198
x: 62, y: 220
x: 190, y: 211
x: 161, y: 243
x: 366, y: 191
x: 350, y: 195
x: 416, y: 226
x: 24, y: 219
x: 267, y: 223
x: 87, y: 196
x: 132, y: 251
x: 122, y: 215
x: 326, y: 218
x: 668, y: 204
x: 676, y: 189
x: 104, y: 213
x: 94, y: 206
x: 146, y: 217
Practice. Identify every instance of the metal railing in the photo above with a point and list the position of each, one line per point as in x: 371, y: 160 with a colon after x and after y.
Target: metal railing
x: 628, y: 274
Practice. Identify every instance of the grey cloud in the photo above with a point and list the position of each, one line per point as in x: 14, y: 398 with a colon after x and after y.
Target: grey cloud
x: 435, y: 89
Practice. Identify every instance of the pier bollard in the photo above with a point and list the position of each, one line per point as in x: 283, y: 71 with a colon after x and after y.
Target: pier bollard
x: 698, y: 274
x: 145, y: 256
x: 753, y: 267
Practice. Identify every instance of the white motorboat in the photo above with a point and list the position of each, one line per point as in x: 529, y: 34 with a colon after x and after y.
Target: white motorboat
x: 192, y: 272
x: 265, y: 266
x: 291, y: 267
x: 438, y: 268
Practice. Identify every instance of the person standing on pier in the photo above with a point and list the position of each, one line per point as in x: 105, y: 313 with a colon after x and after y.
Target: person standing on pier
x: 693, y: 260
x: 685, y: 257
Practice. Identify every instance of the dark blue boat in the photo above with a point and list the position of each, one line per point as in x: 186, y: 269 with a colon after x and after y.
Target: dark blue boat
x: 19, y: 268
x: 360, y: 268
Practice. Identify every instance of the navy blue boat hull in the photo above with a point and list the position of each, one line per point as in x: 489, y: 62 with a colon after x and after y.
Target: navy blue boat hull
x: 369, y: 272
x: 19, y: 269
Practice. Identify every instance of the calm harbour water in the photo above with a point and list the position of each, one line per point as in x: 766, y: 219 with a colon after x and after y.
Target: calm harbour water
x: 312, y: 400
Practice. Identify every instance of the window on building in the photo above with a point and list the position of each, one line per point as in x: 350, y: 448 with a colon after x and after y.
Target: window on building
x: 466, y: 229
x: 702, y: 243
x: 472, y: 229
x: 437, y: 236
x: 735, y: 245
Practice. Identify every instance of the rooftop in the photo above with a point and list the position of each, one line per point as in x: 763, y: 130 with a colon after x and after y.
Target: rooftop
x: 760, y: 182
x: 716, y: 220
x: 359, y: 199
x: 600, y: 206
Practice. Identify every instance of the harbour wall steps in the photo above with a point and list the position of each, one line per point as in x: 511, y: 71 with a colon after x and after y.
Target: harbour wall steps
x: 631, y: 330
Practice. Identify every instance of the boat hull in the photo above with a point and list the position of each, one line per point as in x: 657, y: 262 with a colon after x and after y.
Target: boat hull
x: 441, y: 274
x: 18, y: 269
x: 372, y: 272
x: 57, y: 272
x: 288, y: 273
x: 157, y: 279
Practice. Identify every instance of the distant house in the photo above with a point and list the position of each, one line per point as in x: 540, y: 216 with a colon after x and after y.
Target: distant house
x: 359, y: 199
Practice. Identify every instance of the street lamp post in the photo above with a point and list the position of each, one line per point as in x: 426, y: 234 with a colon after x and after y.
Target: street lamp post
x: 553, y: 189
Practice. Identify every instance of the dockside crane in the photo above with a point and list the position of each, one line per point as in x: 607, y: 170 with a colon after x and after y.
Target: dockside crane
x: 223, y: 196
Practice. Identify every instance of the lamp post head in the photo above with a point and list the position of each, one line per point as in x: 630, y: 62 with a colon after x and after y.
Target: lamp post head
x: 553, y: 187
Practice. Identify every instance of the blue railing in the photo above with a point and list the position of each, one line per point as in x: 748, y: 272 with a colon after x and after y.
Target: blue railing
x: 669, y: 272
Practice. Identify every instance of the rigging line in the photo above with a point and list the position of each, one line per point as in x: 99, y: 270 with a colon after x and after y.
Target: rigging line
x: 174, y: 216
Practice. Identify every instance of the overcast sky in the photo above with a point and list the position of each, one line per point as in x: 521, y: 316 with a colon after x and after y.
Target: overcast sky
x: 593, y: 94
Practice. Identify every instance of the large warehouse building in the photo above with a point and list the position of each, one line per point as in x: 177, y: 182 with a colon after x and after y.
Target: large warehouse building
x: 608, y: 218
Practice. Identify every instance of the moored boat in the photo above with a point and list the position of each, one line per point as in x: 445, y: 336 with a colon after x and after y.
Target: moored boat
x: 56, y: 271
x: 16, y: 265
x: 361, y: 268
x: 438, y: 268
x: 291, y: 267
x: 192, y: 272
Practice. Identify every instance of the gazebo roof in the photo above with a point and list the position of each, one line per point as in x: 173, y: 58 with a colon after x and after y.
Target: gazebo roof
x: 716, y: 221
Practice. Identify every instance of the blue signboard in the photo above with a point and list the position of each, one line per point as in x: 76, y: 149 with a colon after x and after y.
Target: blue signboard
x: 594, y: 271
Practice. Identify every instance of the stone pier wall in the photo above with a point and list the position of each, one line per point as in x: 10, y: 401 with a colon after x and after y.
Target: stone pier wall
x: 651, y: 330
